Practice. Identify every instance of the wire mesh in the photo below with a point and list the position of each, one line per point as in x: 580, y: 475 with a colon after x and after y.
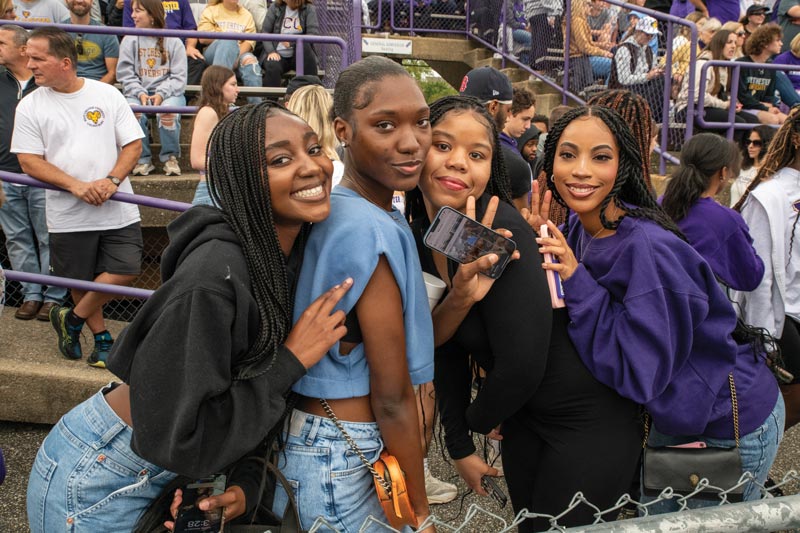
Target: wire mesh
x: 336, y: 19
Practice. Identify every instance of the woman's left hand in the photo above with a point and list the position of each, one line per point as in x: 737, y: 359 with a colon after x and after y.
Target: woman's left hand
x: 232, y: 501
x: 557, y: 245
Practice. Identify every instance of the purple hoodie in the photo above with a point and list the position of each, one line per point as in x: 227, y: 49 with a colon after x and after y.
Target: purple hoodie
x: 649, y: 320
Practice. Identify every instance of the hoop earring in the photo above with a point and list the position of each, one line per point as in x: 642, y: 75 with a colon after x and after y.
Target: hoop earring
x: 552, y: 178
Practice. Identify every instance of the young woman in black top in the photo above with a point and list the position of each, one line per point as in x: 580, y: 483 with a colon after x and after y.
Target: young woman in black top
x: 562, y: 431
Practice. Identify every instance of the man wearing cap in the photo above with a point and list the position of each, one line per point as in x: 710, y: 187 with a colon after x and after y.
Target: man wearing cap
x: 789, y: 20
x: 634, y: 67
x: 494, y: 90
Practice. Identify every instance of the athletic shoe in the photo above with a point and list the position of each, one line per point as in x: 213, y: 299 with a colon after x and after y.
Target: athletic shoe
x: 171, y: 167
x: 102, y: 345
x: 439, y: 491
x: 143, y: 169
x: 69, y: 337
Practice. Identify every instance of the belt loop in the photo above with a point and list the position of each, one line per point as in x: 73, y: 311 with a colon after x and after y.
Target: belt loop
x: 312, y: 433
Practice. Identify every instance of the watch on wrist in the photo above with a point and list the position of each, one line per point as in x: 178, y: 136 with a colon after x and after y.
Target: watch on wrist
x: 114, y: 180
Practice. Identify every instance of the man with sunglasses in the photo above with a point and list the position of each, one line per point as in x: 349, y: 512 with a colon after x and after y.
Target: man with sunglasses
x: 97, y: 54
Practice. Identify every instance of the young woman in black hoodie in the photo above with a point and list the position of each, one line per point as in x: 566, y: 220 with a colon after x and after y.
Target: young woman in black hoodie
x: 208, y: 360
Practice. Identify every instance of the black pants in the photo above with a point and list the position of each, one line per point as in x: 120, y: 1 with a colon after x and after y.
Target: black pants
x: 273, y: 70
x: 574, y: 435
x: 653, y: 92
x: 790, y: 346
x: 486, y: 18
x: 544, y: 36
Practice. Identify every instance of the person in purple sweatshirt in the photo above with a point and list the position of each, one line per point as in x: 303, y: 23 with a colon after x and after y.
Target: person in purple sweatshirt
x: 646, y: 314
x: 718, y: 233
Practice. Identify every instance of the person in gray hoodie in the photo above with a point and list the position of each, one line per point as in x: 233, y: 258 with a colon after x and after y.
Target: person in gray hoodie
x: 153, y: 71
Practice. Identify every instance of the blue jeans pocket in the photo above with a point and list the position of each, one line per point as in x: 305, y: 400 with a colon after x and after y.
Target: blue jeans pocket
x: 38, y: 486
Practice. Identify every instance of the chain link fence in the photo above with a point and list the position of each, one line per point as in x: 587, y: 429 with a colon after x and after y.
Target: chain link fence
x: 336, y: 19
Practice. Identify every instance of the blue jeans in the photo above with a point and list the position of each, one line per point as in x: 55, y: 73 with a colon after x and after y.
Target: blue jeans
x: 601, y: 67
x: 328, y: 478
x: 786, y: 89
x: 225, y: 52
x: 201, y: 194
x: 87, y: 478
x: 170, y: 135
x: 22, y: 218
x: 757, y: 450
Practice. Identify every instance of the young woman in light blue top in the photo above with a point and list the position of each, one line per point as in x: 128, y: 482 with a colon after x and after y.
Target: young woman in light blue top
x: 383, y: 122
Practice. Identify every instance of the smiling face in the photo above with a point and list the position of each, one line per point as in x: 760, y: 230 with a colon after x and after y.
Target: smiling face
x: 230, y: 91
x: 585, y: 166
x: 299, y: 173
x: 141, y: 18
x: 387, y: 139
x: 79, y: 8
x: 459, y: 163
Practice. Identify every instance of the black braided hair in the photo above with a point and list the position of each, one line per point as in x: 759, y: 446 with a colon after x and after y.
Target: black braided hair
x: 702, y: 156
x: 499, y: 185
x: 635, y: 111
x: 629, y: 187
x: 239, y: 183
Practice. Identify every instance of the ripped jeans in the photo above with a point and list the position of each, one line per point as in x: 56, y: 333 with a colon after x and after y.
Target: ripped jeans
x: 169, y: 130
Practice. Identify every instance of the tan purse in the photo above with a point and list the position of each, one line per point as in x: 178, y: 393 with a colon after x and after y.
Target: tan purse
x: 390, y: 480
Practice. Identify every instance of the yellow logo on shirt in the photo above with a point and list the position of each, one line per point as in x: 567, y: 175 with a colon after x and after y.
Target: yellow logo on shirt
x: 94, y: 116
x: 151, y: 62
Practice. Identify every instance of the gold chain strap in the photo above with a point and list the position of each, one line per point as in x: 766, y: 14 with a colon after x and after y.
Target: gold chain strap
x: 385, y: 484
x: 734, y: 405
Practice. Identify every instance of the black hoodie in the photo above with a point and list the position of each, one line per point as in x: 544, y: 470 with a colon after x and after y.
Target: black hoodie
x: 189, y: 415
x: 11, y: 92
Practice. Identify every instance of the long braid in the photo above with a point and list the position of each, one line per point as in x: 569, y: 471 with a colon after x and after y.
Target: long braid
x: 239, y: 184
x: 635, y: 111
x: 781, y: 153
x: 499, y: 184
x: 630, y: 187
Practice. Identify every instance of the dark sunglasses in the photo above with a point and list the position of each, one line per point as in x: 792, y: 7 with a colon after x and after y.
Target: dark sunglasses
x: 754, y: 142
x: 79, y: 44
x: 741, y: 33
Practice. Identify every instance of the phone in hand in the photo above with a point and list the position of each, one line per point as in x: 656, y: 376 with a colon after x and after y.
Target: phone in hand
x: 190, y: 518
x: 493, y: 489
x: 553, y: 279
x: 464, y: 240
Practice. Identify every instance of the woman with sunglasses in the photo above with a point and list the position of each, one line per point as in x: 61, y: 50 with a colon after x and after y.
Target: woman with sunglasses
x: 754, y: 147
x: 738, y: 29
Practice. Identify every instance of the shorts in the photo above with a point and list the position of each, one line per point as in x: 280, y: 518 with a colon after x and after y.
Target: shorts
x: 85, y: 254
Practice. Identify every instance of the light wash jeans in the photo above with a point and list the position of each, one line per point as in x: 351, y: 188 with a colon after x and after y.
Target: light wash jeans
x: 170, y: 136
x: 328, y: 478
x: 785, y: 88
x: 201, y: 195
x: 757, y: 450
x: 86, y: 478
x: 22, y: 218
x: 225, y: 52
x: 601, y: 67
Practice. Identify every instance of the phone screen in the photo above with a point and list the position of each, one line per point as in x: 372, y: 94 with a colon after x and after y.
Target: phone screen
x: 192, y: 519
x: 464, y: 240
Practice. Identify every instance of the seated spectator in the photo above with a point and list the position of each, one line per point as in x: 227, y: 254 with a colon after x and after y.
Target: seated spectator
x: 718, y: 84
x: 707, y: 30
x: 738, y: 29
x: 297, y: 83
x: 754, y: 148
x: 754, y: 17
x: 581, y: 48
x: 756, y: 85
x: 485, y: 17
x: 722, y: 10
x: 227, y: 16
x: 218, y: 92
x: 7, y: 10
x: 518, y: 34
x: 792, y: 58
x: 634, y: 67
x: 682, y: 48
x: 288, y: 17
x: 623, y: 18
x: 152, y: 71
x: 313, y: 103
x: 544, y: 18
x: 178, y: 12
x: 97, y: 53
x: 602, y: 25
x: 50, y: 11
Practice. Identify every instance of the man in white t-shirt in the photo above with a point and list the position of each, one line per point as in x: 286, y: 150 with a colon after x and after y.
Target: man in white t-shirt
x: 81, y: 136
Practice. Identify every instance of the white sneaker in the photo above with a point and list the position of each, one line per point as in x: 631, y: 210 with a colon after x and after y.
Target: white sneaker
x: 171, y: 167
x: 143, y: 169
x: 494, y: 459
x: 439, y: 491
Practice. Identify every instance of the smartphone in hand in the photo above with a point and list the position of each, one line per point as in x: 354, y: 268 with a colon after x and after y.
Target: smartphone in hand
x: 190, y: 518
x: 464, y: 240
x: 553, y: 279
x: 493, y: 489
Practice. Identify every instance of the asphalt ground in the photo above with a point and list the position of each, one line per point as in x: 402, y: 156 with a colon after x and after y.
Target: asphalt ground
x: 20, y: 441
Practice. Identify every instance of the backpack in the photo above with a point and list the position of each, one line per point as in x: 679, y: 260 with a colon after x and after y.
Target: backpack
x: 613, y: 82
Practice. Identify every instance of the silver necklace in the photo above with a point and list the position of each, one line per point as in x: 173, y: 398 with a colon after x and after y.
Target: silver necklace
x: 584, y: 249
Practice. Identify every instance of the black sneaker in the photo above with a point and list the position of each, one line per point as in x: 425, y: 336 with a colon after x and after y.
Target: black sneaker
x: 102, y: 345
x: 69, y: 337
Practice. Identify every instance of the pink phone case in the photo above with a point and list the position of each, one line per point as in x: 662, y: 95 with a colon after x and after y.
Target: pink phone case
x: 552, y: 277
x: 696, y: 444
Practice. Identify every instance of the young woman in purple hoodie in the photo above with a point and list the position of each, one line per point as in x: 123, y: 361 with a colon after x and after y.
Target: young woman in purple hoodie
x: 646, y: 314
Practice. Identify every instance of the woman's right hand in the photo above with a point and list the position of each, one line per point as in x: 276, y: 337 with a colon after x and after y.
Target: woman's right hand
x: 318, y: 329
x: 471, y: 469
x: 274, y: 56
x: 194, y: 53
x: 539, y: 212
